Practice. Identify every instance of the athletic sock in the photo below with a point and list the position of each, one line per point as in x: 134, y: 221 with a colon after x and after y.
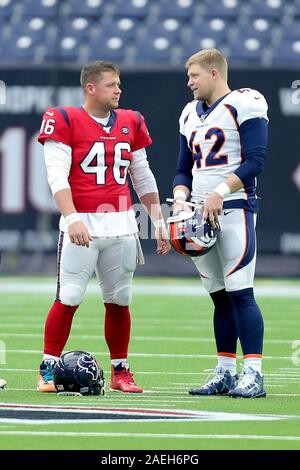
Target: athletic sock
x: 254, y: 362
x: 117, y: 330
x: 49, y: 357
x: 225, y: 328
x: 116, y: 362
x: 250, y: 321
x: 227, y: 363
x: 57, y: 328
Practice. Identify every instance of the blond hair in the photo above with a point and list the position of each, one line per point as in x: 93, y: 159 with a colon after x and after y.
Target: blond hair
x: 209, y: 59
x: 92, y: 71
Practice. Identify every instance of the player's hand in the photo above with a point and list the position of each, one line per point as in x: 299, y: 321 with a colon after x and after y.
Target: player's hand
x: 178, y: 207
x: 79, y: 234
x: 162, y: 238
x: 213, y: 208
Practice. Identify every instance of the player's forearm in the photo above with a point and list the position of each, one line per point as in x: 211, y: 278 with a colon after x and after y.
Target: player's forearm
x: 234, y: 183
x: 64, y: 201
x: 181, y: 192
x: 141, y: 175
x: 230, y: 185
x: 151, y: 203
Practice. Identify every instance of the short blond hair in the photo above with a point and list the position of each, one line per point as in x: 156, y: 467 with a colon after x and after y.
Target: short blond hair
x: 92, y: 71
x: 209, y: 59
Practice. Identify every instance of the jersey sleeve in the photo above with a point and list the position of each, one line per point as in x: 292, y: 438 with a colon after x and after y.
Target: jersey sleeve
x: 251, y: 105
x: 183, y: 118
x: 142, y: 138
x: 55, y: 126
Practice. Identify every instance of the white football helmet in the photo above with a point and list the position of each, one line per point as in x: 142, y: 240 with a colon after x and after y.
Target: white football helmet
x: 190, y: 235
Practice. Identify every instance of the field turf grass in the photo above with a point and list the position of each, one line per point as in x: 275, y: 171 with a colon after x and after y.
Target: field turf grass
x: 172, y: 350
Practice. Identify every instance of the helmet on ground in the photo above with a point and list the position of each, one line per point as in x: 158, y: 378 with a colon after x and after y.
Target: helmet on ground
x: 78, y: 372
x: 190, y: 235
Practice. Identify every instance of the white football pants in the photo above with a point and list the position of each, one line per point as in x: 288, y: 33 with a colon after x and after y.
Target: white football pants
x: 230, y: 264
x: 113, y: 260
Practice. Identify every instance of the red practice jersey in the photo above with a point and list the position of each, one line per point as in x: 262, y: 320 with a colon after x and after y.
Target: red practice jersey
x: 101, y: 155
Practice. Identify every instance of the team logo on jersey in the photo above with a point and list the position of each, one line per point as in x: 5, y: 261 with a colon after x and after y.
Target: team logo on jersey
x: 203, y: 117
x: 125, y: 130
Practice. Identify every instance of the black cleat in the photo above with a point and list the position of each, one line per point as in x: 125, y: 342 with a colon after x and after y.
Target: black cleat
x: 251, y: 385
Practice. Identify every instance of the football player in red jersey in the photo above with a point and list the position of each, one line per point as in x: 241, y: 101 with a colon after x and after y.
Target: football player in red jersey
x: 89, y: 152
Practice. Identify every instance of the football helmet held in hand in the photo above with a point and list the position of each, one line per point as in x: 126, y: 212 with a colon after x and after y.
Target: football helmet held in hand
x: 190, y: 235
x: 78, y: 372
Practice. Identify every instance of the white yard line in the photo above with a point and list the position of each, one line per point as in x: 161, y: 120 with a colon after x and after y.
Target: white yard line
x: 280, y: 377
x: 106, y: 371
x: 162, y: 355
x: 185, y: 339
x: 146, y: 289
x: 284, y: 394
x: 131, y: 435
x: 164, y: 390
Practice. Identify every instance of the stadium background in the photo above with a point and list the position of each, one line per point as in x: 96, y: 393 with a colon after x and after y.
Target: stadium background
x: 43, y: 45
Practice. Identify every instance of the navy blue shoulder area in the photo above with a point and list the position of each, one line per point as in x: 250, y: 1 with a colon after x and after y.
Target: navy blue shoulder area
x: 64, y: 115
x: 186, y: 117
x: 233, y: 112
x: 139, y: 116
x: 199, y: 107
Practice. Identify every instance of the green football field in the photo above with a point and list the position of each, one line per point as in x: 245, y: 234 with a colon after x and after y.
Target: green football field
x: 172, y: 350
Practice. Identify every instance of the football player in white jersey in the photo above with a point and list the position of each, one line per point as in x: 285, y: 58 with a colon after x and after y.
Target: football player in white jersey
x: 223, y: 140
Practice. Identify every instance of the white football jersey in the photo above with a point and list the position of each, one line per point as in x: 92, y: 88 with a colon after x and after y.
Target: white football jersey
x: 213, y: 138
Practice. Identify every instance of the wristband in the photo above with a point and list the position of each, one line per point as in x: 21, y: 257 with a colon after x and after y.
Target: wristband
x: 180, y: 195
x: 159, y: 223
x: 71, y: 218
x: 223, y: 189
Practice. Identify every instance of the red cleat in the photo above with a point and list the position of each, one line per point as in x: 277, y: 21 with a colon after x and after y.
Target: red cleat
x: 122, y: 380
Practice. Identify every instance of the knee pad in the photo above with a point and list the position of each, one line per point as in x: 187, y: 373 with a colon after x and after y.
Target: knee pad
x: 121, y: 297
x: 71, y: 295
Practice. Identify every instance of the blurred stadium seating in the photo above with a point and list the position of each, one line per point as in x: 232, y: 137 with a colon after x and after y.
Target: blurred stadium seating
x: 149, y: 32
x: 43, y: 45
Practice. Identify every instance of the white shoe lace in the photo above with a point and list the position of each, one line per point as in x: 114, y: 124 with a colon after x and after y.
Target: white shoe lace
x: 248, y: 378
x: 219, y: 374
